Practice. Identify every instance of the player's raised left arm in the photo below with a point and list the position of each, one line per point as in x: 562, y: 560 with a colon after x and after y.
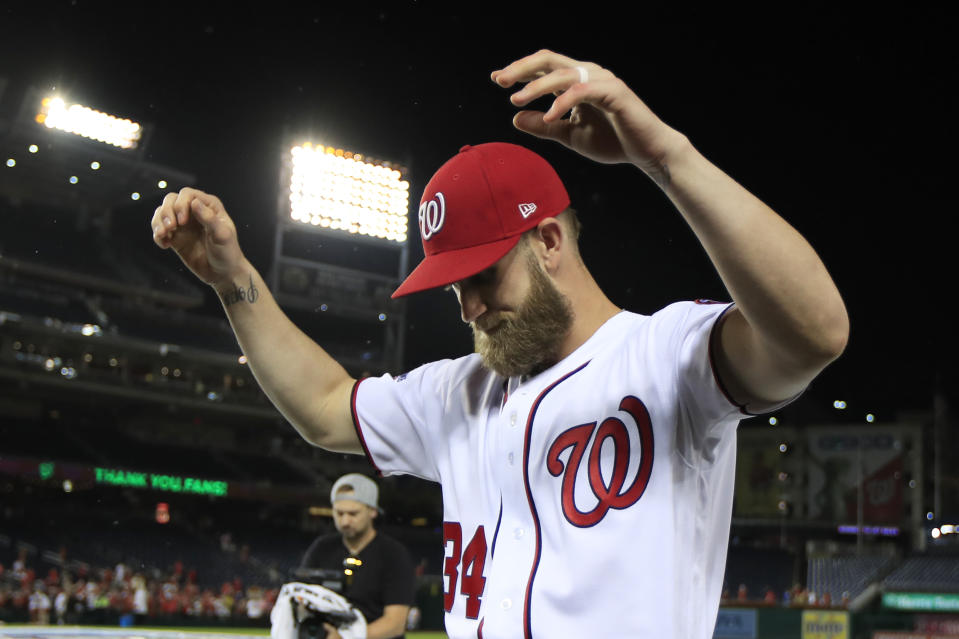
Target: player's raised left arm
x: 790, y: 321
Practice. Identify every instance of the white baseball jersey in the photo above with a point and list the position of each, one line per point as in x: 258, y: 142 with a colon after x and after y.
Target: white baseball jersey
x: 592, y: 500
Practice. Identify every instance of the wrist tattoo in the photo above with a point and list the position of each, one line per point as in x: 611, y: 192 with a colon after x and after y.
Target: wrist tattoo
x: 239, y: 294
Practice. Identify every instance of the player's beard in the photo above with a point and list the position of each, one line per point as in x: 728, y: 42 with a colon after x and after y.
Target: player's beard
x: 528, y: 341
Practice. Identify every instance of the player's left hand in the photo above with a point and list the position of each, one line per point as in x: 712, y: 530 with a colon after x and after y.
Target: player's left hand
x: 607, y: 122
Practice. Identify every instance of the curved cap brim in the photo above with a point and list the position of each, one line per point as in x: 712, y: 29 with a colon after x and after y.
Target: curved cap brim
x: 454, y: 265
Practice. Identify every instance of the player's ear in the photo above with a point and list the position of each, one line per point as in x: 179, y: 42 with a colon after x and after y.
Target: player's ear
x: 548, y: 241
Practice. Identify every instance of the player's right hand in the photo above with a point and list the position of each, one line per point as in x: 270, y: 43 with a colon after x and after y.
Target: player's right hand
x: 607, y: 121
x: 196, y: 226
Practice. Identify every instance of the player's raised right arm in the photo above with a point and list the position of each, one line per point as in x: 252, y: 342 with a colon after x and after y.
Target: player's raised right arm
x: 308, y: 387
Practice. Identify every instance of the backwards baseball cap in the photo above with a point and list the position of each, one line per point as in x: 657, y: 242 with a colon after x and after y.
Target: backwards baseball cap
x: 356, y: 487
x: 475, y: 209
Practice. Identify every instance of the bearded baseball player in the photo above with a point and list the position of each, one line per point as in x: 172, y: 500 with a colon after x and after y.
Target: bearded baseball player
x: 586, y: 453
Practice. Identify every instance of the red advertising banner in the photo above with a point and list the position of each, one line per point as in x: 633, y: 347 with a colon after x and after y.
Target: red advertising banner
x: 838, y: 460
x: 938, y: 624
x: 882, y: 491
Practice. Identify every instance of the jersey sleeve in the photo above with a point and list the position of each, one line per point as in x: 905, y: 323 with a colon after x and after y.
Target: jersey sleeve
x: 690, y: 331
x: 393, y: 417
x: 683, y: 337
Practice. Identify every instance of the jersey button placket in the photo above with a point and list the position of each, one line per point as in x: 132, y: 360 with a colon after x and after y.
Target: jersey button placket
x: 514, y: 553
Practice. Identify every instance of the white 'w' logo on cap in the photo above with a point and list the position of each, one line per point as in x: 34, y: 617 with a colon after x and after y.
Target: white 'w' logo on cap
x: 527, y: 209
x: 432, y: 215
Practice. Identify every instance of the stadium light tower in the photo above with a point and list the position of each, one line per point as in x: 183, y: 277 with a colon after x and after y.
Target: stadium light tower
x: 57, y: 152
x: 341, y: 248
x: 89, y: 123
x: 342, y: 191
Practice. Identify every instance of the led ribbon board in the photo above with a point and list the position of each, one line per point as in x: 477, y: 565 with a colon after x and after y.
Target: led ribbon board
x: 155, y: 481
x: 925, y: 601
x: 336, y: 189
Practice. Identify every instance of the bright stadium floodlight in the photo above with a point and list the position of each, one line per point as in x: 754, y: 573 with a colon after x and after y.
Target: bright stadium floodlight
x: 340, y: 190
x: 89, y: 123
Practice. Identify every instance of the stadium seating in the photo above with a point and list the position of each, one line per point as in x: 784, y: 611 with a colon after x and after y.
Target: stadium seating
x: 55, y: 239
x: 931, y: 572
x: 845, y: 574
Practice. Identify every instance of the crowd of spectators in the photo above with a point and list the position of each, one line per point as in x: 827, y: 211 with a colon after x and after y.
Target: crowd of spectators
x: 797, y: 597
x: 121, y: 596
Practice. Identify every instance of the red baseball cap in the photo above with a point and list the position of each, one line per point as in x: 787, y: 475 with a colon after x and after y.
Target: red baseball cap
x: 476, y: 207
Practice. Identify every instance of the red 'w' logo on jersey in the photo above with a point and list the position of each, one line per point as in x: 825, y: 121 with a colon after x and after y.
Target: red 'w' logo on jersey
x: 610, y: 495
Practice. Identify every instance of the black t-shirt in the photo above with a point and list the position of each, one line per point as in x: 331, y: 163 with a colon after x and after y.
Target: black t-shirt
x: 385, y: 576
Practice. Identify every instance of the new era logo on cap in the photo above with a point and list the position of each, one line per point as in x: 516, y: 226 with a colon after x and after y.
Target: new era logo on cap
x: 527, y: 209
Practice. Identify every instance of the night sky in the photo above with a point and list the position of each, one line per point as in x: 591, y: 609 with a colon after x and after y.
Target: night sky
x: 841, y: 121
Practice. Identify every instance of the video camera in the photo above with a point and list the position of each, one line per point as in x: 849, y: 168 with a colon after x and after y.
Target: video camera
x: 332, y: 579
